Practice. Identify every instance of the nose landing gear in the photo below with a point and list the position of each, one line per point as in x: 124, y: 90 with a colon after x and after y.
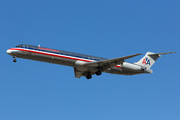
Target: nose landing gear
x: 14, y: 59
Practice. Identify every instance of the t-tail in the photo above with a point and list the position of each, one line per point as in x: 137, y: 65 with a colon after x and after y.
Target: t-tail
x: 149, y: 59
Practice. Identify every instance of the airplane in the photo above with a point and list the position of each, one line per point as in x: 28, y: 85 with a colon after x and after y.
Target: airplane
x: 86, y: 65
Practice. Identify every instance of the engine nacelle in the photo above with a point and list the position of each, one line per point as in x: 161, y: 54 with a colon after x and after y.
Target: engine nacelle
x: 132, y: 66
x: 79, y: 63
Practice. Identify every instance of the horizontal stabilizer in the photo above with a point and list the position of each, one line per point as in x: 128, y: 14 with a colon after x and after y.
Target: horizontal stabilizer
x: 161, y: 53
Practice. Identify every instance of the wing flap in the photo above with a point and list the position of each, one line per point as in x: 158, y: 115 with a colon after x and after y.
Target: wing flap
x: 77, y: 73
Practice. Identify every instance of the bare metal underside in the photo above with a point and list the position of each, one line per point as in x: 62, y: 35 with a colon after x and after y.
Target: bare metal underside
x: 85, y: 65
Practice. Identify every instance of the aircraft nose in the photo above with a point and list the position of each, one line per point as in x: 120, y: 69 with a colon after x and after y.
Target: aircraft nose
x: 8, y: 51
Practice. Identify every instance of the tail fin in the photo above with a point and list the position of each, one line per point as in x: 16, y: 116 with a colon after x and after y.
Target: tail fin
x: 149, y: 59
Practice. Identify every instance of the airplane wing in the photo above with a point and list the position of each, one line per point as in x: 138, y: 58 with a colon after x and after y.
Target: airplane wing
x: 105, y: 64
x: 101, y: 65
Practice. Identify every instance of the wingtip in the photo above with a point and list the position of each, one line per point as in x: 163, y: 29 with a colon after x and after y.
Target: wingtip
x: 139, y: 54
x: 172, y: 52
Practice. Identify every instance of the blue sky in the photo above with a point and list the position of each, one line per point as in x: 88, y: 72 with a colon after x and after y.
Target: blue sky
x: 42, y: 91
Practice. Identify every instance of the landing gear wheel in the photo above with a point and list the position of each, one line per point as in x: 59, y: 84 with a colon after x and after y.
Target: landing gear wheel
x: 14, y: 60
x: 98, y: 73
x: 89, y: 76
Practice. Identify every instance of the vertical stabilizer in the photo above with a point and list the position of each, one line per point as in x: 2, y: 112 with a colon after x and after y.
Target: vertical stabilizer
x: 148, y: 60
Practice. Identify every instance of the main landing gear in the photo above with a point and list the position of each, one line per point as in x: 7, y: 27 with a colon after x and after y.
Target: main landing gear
x: 98, y: 73
x: 14, y: 59
x: 89, y: 76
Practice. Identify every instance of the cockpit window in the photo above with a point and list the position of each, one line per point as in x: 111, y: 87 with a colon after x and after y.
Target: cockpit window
x: 19, y: 46
x: 22, y: 46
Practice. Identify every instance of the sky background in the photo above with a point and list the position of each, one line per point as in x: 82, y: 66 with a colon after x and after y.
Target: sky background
x: 32, y: 90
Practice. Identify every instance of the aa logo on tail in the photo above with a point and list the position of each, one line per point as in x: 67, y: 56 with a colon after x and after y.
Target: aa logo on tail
x: 146, y: 61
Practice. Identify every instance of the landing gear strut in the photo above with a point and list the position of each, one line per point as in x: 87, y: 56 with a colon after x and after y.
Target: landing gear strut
x: 89, y: 76
x: 14, y: 59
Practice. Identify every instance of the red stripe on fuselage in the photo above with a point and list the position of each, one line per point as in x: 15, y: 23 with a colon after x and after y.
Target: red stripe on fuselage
x: 51, y: 54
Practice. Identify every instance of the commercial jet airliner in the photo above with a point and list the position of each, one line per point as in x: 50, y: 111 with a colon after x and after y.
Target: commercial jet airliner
x: 85, y: 65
